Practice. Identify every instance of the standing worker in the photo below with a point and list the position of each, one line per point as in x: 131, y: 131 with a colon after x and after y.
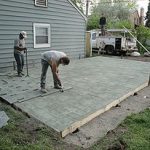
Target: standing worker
x: 102, y: 23
x: 52, y: 59
x: 19, y: 50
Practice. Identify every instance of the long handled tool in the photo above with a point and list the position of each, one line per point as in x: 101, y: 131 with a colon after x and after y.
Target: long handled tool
x: 27, y: 63
x: 137, y: 41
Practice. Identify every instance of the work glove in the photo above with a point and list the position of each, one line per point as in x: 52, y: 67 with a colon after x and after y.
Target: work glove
x: 25, y: 50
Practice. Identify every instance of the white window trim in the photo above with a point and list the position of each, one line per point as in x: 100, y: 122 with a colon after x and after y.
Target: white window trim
x: 40, y: 5
x: 49, y: 35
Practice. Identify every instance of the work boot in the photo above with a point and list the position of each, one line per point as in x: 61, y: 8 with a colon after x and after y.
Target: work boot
x: 57, y: 87
x: 22, y: 73
x: 43, y: 90
x: 19, y: 75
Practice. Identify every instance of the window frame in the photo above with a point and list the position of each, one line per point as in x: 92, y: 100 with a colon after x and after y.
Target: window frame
x: 35, y: 3
x: 36, y: 45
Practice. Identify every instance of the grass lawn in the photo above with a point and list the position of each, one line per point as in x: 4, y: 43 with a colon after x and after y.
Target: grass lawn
x: 24, y: 133
x: 132, y: 134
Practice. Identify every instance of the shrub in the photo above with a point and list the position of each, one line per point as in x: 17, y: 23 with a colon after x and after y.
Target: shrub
x: 143, y: 34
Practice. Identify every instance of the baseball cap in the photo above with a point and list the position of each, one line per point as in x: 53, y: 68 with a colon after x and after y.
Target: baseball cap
x: 24, y: 34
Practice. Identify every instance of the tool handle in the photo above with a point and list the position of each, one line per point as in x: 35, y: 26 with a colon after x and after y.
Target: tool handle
x: 27, y: 63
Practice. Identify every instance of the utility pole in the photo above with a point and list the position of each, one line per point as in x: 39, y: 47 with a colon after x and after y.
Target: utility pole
x: 87, y: 8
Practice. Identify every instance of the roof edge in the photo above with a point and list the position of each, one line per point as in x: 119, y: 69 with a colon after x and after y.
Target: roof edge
x: 85, y: 18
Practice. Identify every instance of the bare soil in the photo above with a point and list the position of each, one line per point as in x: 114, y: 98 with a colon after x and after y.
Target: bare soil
x: 141, y: 58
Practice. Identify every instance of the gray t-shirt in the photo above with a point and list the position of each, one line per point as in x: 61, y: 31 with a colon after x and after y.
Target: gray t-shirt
x: 19, y: 43
x: 52, y: 55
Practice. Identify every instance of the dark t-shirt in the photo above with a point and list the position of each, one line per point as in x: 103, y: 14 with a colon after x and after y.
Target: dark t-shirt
x: 102, y: 21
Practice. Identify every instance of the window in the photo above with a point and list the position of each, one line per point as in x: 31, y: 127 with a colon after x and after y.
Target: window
x: 42, y: 3
x: 41, y: 35
x: 93, y: 36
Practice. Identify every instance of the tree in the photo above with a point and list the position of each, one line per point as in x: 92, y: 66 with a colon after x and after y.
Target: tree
x: 93, y: 22
x: 143, y: 33
x: 114, y: 12
x: 78, y: 3
x: 148, y: 16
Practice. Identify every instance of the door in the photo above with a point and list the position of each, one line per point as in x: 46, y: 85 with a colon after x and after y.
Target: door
x: 118, y: 44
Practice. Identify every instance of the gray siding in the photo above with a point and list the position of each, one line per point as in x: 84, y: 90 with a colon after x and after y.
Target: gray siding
x: 67, y: 28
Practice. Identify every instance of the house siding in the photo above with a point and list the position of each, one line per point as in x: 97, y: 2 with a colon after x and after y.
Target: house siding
x: 67, y: 28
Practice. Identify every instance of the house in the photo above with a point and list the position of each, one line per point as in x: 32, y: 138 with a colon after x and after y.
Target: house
x: 134, y: 17
x: 50, y: 25
x: 137, y: 18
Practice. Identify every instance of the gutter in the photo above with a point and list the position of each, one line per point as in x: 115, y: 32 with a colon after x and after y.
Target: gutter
x: 85, y: 18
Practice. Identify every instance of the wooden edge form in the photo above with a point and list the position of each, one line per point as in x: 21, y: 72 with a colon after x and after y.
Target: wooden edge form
x: 78, y: 124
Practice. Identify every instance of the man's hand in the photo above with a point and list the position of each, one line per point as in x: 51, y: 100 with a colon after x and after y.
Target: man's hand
x: 57, y: 71
x: 25, y: 50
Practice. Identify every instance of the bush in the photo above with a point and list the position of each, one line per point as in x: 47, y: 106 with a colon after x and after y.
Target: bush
x: 93, y: 22
x: 120, y: 23
x: 143, y: 34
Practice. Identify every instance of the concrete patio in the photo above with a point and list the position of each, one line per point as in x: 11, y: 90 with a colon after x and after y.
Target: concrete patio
x: 92, y: 86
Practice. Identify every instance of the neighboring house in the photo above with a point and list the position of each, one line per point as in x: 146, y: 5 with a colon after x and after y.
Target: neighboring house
x: 137, y: 18
x: 142, y: 18
x: 134, y: 18
x: 50, y: 25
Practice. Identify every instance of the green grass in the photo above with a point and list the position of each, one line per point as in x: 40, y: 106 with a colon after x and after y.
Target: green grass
x: 138, y: 134
x: 132, y: 134
x: 24, y: 133
x: 16, y: 136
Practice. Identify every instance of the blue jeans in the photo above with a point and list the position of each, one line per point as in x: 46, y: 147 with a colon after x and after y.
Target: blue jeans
x: 20, y: 61
x: 45, y: 66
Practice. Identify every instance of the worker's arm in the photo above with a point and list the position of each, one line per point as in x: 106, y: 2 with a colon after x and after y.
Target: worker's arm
x: 55, y: 71
x: 20, y: 49
x: 18, y: 46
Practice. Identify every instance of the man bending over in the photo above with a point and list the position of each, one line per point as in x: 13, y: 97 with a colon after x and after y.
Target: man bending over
x: 52, y: 59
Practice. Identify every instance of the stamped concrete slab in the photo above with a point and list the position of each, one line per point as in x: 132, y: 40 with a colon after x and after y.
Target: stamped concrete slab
x: 98, y: 84
x: 26, y: 95
x: 15, y: 89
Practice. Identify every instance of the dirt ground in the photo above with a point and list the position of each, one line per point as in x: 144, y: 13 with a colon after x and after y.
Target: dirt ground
x: 145, y: 59
x: 96, y: 129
